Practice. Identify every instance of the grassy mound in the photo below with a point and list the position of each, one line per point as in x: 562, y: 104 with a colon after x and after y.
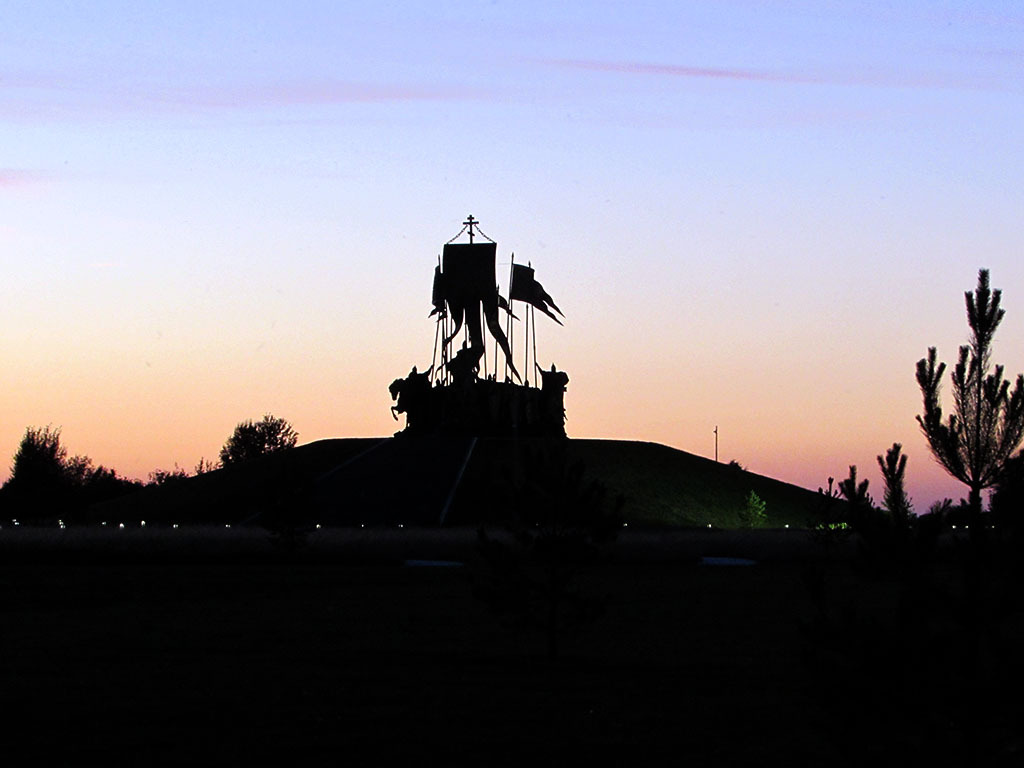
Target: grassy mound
x: 667, y: 487
x: 420, y: 481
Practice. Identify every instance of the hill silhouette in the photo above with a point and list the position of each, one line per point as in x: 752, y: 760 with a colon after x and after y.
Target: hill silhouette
x: 457, y: 481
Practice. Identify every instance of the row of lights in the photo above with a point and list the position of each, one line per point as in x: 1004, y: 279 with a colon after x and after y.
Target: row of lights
x: 142, y: 524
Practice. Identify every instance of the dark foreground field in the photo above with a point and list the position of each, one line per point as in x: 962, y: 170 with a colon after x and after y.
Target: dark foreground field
x: 240, y: 654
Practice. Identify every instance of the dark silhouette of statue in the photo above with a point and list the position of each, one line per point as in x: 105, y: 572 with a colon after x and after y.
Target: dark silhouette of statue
x: 468, y: 397
x: 465, y: 366
x: 411, y: 394
x: 553, y: 386
x: 553, y: 380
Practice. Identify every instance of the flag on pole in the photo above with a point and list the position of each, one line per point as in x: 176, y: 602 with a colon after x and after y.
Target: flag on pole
x: 526, y: 288
x: 468, y: 284
x: 438, y: 295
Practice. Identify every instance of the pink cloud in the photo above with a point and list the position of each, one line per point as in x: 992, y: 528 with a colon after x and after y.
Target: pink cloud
x: 719, y: 73
x: 869, y: 78
x: 318, y: 93
x: 41, y: 97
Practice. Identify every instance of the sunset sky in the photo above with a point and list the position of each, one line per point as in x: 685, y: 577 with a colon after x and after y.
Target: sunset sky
x: 755, y: 215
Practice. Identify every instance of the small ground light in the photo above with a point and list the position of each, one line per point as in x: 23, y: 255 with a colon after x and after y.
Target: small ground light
x: 174, y: 526
x: 120, y: 526
x: 142, y: 523
x: 318, y: 526
x: 227, y: 526
x: 786, y: 525
x: 401, y: 526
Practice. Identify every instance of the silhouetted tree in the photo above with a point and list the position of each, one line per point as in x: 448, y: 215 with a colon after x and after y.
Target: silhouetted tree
x: 753, y: 513
x: 38, y: 487
x: 205, y: 465
x: 40, y: 458
x: 895, y: 499
x: 829, y: 511
x: 862, y: 516
x: 856, y: 493
x: 974, y: 443
x: 942, y: 508
x: 252, y: 439
x: 891, y: 538
x: 46, y: 485
x: 167, y: 476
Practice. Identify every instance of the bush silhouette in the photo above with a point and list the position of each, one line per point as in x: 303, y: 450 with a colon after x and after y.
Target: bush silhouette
x: 252, y: 439
x: 40, y: 458
x: 168, y: 476
x: 46, y: 485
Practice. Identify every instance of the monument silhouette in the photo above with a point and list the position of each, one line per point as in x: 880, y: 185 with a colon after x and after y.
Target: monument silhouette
x: 466, y: 391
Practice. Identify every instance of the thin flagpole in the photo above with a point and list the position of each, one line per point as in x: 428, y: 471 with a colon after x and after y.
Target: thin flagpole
x: 433, y: 359
x: 533, y: 313
x: 483, y: 325
x: 446, y: 326
x: 526, y: 346
x: 509, y: 325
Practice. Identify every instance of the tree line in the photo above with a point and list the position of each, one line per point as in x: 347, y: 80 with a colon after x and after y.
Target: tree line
x: 47, y: 485
x: 977, y: 443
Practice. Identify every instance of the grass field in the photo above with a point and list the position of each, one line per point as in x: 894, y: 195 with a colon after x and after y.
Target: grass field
x: 667, y: 487
x: 240, y: 653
